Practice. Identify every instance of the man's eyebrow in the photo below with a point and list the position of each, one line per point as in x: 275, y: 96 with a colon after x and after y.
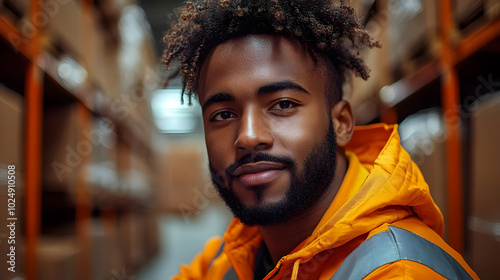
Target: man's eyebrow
x: 282, y: 85
x: 263, y: 90
x: 218, y: 97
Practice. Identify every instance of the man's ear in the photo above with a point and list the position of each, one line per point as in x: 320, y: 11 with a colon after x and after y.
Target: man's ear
x: 343, y: 122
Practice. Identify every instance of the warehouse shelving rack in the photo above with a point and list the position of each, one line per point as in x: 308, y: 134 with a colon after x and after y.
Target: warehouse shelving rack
x: 443, y: 75
x: 26, y: 69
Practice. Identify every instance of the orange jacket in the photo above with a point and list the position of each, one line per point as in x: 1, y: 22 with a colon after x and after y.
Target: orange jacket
x: 383, y: 210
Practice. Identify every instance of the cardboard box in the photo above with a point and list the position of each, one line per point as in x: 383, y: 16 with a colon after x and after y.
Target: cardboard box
x: 11, y: 127
x: 471, y: 14
x: 484, y: 219
x: 21, y: 6
x: 130, y: 240
x: 102, y: 170
x: 64, y: 257
x: 60, y: 18
x: 57, y: 258
x: 184, y: 184
x: 140, y: 180
x: 101, y: 251
x: 413, y: 33
x: 66, y: 147
x: 433, y: 167
x: 464, y: 9
x: 151, y: 233
x: 64, y: 23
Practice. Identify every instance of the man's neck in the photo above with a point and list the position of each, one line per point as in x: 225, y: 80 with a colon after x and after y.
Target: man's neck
x: 283, y: 238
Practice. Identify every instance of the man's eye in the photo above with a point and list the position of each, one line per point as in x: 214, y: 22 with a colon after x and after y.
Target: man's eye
x: 224, y: 115
x: 284, y: 105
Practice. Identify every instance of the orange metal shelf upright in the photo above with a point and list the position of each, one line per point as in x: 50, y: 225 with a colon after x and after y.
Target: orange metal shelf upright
x: 84, y: 202
x: 450, y: 95
x: 83, y: 206
x: 33, y: 151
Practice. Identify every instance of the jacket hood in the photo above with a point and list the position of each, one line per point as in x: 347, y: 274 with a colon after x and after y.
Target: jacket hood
x: 393, y: 189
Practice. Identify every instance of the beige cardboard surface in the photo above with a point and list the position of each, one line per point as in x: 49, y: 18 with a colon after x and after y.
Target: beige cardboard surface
x: 484, y: 219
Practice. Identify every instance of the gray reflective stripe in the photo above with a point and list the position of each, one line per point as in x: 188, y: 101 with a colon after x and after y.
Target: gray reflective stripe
x: 398, y: 244
x: 230, y: 273
x: 219, y: 252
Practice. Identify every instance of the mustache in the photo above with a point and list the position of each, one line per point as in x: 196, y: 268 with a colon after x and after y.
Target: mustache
x: 257, y: 157
x: 225, y: 177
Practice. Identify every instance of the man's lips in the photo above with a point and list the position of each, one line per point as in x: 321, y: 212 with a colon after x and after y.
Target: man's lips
x: 257, y: 167
x: 258, y: 173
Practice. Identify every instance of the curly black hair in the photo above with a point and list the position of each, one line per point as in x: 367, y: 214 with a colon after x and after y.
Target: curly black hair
x: 330, y: 31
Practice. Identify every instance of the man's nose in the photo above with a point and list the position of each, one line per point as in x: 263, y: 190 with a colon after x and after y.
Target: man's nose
x: 254, y: 133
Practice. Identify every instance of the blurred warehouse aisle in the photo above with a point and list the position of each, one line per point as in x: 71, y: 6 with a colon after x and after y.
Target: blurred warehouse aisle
x: 111, y: 178
x: 184, y: 238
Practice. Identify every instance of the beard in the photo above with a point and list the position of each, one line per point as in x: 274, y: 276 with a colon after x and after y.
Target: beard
x: 304, y: 190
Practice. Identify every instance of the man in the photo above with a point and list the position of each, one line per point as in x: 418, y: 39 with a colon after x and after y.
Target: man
x: 313, y: 197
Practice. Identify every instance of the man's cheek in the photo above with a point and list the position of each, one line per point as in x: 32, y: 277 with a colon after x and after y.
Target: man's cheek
x: 220, y: 154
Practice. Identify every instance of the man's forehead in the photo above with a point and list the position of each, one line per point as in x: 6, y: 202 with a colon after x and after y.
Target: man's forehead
x: 267, y: 48
x: 262, y: 43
